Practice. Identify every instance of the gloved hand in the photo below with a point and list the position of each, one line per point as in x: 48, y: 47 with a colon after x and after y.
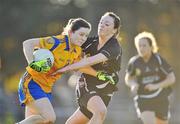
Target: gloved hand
x: 40, y: 66
x: 106, y: 77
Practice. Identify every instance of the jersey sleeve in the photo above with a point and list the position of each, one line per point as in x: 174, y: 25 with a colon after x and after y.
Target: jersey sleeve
x: 88, y: 42
x: 131, y: 69
x: 112, y: 51
x: 165, y: 67
x: 88, y: 46
x: 46, y: 42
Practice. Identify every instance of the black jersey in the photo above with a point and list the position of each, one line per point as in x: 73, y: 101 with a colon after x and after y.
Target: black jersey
x: 151, y: 72
x: 113, y: 52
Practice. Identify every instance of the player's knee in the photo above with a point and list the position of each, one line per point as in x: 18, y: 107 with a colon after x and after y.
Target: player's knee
x: 101, y: 112
x: 68, y: 121
x: 50, y: 120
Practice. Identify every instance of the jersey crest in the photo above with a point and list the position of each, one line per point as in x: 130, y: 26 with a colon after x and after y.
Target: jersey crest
x: 50, y: 40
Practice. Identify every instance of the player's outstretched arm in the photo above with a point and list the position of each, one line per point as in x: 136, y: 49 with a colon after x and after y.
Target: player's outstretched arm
x: 84, y: 63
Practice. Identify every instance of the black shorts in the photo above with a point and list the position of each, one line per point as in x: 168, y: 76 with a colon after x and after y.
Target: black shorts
x: 83, y: 100
x: 84, y: 94
x: 158, y: 105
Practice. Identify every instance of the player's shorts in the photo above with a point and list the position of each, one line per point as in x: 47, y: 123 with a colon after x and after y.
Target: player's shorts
x: 158, y: 105
x: 83, y: 96
x: 83, y: 100
x: 29, y: 90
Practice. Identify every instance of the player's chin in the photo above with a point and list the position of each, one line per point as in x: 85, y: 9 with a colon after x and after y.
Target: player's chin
x: 78, y: 43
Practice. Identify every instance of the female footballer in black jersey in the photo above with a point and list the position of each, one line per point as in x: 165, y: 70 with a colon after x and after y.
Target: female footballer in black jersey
x: 149, y: 76
x: 105, y: 53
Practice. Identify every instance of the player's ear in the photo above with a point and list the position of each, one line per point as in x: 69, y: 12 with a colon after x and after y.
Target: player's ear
x: 114, y: 31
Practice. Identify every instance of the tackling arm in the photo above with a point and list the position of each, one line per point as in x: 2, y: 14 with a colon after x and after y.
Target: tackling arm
x: 84, y: 63
x: 88, y: 70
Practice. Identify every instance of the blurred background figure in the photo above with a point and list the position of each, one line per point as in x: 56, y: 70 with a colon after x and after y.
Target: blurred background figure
x: 150, y: 79
x: 24, y: 19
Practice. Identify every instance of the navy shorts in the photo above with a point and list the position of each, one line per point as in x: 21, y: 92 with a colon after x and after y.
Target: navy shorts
x: 29, y: 90
x: 158, y: 105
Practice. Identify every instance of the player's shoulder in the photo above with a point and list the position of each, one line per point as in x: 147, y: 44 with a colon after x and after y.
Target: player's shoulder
x: 46, y: 42
x: 114, y: 39
x: 159, y: 58
x: 53, y: 39
x: 134, y: 59
x: 61, y: 38
x: 90, y: 40
x: 52, y: 42
x: 114, y: 43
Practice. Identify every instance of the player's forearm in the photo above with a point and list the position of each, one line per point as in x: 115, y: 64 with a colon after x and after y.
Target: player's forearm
x: 88, y: 70
x: 85, y: 62
x: 28, y: 48
x: 170, y: 80
x: 28, y: 51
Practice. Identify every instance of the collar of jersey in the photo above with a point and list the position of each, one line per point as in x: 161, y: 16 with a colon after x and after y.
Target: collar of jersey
x: 72, y: 47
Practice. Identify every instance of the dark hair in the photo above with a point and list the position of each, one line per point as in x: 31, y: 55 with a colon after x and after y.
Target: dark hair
x: 117, y: 20
x: 77, y: 23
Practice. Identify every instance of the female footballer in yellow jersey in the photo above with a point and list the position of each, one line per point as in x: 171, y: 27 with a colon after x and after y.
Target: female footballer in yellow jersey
x: 64, y: 54
x: 35, y: 86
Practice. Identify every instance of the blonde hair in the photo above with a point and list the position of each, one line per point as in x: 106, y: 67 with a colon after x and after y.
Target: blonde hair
x: 150, y: 38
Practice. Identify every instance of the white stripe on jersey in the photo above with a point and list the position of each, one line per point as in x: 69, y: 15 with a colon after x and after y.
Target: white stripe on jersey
x: 152, y: 95
x: 106, y: 52
x: 102, y: 85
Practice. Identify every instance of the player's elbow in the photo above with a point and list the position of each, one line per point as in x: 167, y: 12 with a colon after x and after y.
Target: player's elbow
x: 31, y: 42
x: 127, y: 79
x: 172, y: 78
x: 26, y: 43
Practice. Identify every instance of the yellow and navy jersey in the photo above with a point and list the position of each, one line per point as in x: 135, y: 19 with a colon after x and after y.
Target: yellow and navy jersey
x: 64, y: 53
